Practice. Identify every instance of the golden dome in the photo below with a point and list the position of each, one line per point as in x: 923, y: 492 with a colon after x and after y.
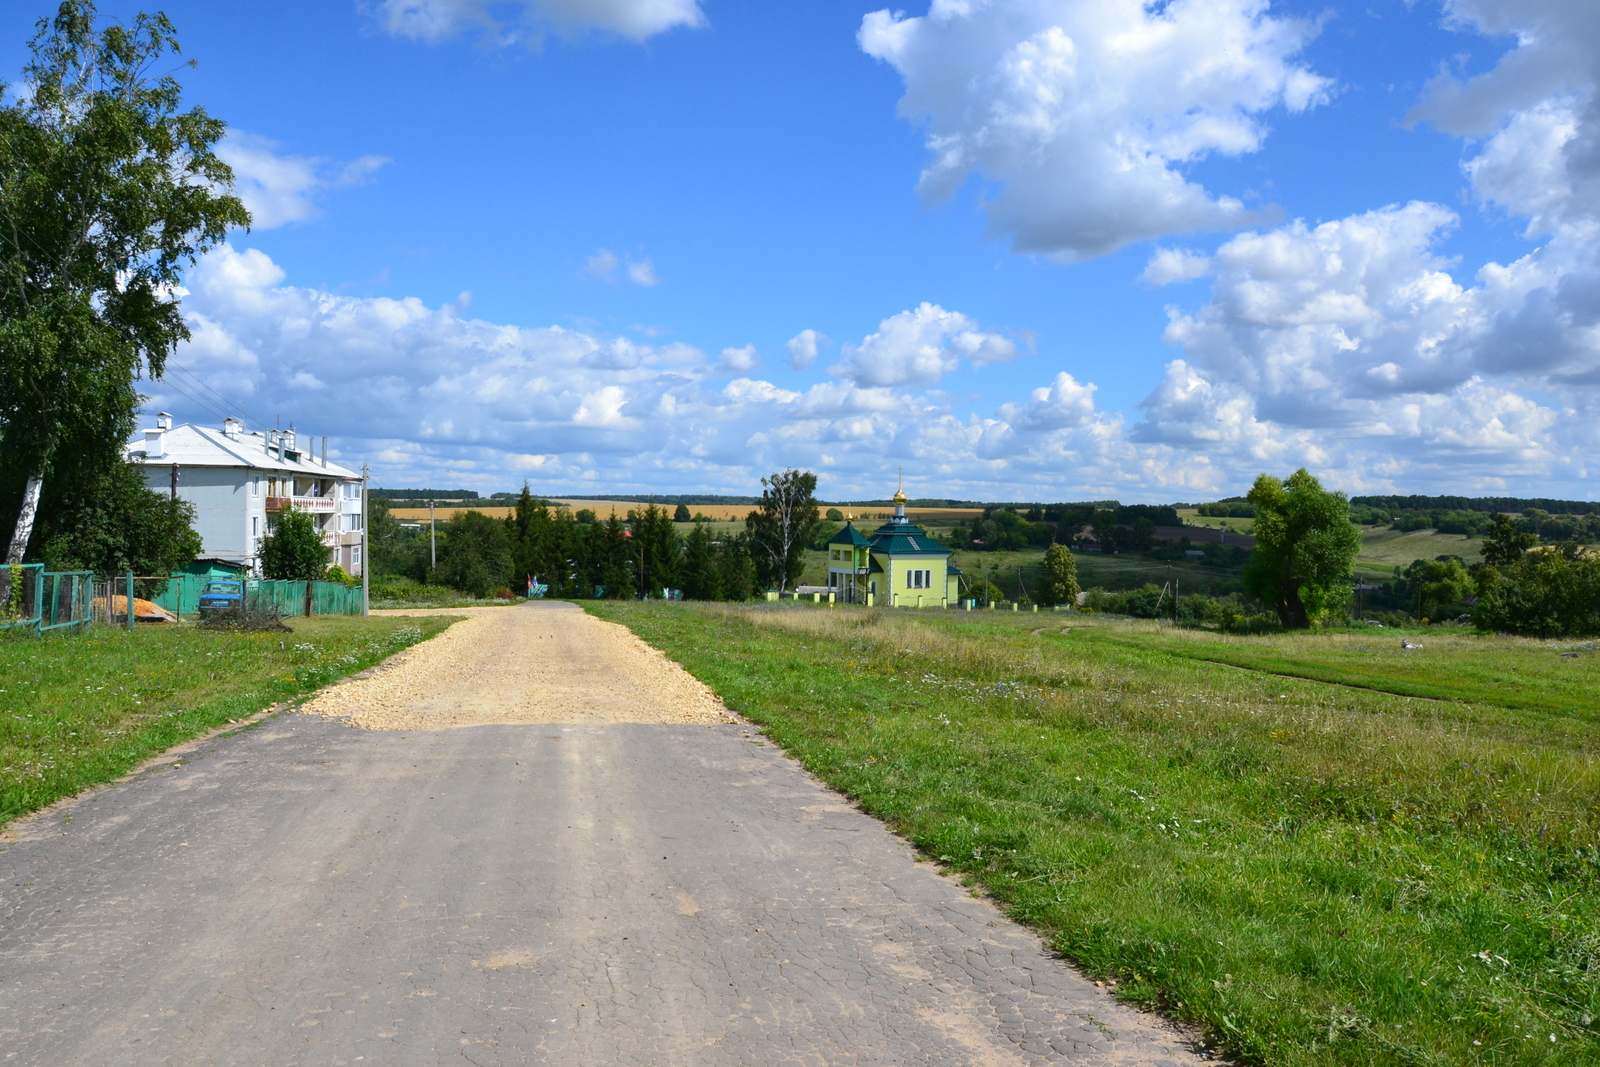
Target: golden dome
x: 899, y: 496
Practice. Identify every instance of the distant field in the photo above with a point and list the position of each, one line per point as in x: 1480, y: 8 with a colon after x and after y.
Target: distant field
x: 1192, y: 517
x: 1383, y: 549
x: 1320, y: 849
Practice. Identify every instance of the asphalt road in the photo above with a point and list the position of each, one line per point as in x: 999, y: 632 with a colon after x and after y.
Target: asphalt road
x: 305, y: 892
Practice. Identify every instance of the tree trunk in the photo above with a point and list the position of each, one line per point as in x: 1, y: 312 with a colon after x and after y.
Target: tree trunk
x: 25, y: 518
x: 1291, y: 611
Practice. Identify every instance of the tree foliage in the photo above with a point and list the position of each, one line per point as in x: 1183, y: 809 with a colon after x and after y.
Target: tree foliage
x: 293, y: 550
x: 115, y: 524
x: 474, y: 554
x: 1505, y: 542
x: 1547, y: 592
x: 107, y: 191
x: 1305, y: 546
x: 1060, y: 577
x: 1437, y: 583
x: 781, y: 528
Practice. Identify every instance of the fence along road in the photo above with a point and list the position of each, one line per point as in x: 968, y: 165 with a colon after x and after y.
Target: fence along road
x: 639, y: 881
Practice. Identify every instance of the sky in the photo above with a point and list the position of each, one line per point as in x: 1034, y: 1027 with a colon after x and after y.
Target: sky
x: 1022, y: 249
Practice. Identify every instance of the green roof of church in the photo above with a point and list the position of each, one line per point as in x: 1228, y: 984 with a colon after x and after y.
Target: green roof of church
x: 848, y: 536
x: 904, y: 539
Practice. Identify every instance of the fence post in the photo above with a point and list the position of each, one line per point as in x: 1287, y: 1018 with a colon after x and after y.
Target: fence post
x: 130, y: 600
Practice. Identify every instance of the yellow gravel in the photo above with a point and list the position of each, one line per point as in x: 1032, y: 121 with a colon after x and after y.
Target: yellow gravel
x: 541, y: 662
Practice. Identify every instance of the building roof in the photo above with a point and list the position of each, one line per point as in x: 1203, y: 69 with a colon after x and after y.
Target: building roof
x: 849, y: 536
x: 904, y: 539
x: 200, y: 446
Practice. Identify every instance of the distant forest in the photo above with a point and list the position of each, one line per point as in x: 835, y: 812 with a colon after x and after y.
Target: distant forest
x: 1489, y: 504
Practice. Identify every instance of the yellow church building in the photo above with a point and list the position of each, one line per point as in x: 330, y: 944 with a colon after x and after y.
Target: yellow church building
x: 898, y: 565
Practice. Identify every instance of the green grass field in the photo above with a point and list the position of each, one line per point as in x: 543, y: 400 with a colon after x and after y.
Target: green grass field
x: 1317, y: 848
x: 78, y: 710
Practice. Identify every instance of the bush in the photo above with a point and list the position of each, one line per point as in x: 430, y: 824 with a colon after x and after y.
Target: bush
x: 293, y: 551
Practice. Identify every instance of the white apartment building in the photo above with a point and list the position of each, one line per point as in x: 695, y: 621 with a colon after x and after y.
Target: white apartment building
x: 238, y: 482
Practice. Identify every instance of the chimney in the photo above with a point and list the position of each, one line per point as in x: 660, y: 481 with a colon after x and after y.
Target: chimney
x: 163, y: 421
x: 324, y: 450
x: 155, y: 445
x: 230, y: 428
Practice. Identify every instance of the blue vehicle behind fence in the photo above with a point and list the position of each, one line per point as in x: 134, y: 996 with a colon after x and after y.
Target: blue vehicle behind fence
x: 221, y: 595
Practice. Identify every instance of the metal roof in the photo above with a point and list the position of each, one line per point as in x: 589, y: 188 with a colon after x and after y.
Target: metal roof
x: 849, y: 536
x: 200, y: 446
x: 904, y: 539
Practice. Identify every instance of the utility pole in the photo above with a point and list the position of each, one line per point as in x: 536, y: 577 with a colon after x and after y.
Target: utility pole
x: 366, y: 544
x: 433, y: 541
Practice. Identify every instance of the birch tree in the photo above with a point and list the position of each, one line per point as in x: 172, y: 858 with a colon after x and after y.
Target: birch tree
x: 783, y: 526
x: 107, y: 192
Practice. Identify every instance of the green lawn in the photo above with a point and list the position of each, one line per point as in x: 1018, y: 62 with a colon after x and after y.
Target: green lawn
x: 1264, y: 836
x: 77, y: 710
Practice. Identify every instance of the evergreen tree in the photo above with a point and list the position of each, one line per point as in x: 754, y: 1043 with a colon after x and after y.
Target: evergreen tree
x: 681, y: 513
x: 701, y: 577
x: 293, y: 550
x: 736, y: 569
x: 610, y: 558
x: 656, y: 548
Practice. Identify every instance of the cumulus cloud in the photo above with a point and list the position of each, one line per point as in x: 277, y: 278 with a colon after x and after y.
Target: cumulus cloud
x: 919, y: 347
x: 740, y: 360
x: 514, y: 20
x: 1348, y: 317
x: 278, y: 189
x: 802, y: 348
x: 1538, y: 109
x: 1170, y: 265
x: 1084, y: 112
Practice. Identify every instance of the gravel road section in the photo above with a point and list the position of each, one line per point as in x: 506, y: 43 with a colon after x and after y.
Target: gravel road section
x: 539, y: 662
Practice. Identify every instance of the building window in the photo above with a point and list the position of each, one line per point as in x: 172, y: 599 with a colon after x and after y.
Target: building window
x: 919, y: 579
x: 355, y: 555
x: 255, y: 526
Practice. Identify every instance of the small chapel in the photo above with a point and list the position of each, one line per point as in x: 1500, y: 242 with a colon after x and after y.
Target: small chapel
x: 897, y: 565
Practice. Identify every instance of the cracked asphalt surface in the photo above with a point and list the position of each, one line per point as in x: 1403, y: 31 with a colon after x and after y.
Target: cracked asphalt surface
x: 305, y: 892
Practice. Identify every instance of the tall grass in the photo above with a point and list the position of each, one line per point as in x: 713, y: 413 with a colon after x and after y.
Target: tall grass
x: 1311, y: 872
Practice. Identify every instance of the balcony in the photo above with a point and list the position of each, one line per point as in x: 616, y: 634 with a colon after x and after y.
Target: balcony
x: 316, y: 505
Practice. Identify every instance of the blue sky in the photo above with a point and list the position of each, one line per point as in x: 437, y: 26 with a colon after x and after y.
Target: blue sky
x: 1047, y: 249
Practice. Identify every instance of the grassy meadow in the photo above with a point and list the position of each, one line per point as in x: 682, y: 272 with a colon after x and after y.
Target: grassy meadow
x: 78, y: 710
x: 1319, y: 849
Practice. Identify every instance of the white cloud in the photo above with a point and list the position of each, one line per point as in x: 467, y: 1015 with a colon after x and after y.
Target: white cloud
x: 279, y: 189
x: 1084, y: 111
x: 643, y: 272
x: 1170, y: 265
x: 1539, y: 108
x: 514, y: 20
x: 919, y: 347
x: 739, y: 360
x: 603, y: 265
x: 426, y: 393
x: 802, y: 348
